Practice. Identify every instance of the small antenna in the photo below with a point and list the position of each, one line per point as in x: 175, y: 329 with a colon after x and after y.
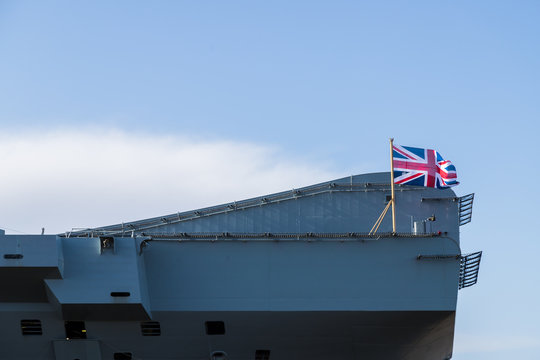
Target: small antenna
x: 42, y: 230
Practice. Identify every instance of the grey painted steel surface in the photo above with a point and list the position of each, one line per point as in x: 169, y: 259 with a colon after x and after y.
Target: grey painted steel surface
x: 38, y: 257
x: 302, y: 276
x: 92, y: 275
x: 350, y: 204
x: 357, y: 297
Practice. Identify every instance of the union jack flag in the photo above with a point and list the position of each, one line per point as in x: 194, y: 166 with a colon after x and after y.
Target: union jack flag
x: 422, y: 167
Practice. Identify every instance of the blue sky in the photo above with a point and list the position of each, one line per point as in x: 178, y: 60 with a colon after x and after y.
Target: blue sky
x: 170, y: 105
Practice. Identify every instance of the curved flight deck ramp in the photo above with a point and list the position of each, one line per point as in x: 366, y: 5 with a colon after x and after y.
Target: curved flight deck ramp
x: 292, y: 275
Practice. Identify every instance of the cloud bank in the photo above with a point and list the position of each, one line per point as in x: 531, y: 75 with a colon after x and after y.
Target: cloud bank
x: 67, y: 179
x: 502, y: 341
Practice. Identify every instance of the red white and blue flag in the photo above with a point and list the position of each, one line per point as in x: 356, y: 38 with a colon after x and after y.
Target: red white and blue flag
x: 422, y: 167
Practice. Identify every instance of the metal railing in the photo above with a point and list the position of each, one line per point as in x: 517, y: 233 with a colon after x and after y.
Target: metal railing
x: 465, y: 209
x: 468, y: 269
x: 152, y: 223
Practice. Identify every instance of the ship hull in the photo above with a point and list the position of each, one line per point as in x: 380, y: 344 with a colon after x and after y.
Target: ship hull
x: 316, y: 335
x: 293, y: 275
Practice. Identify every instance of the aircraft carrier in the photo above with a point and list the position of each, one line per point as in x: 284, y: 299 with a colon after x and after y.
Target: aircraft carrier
x: 292, y: 275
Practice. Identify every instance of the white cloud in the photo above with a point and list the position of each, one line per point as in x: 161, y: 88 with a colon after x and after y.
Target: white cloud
x: 493, y: 343
x: 67, y: 178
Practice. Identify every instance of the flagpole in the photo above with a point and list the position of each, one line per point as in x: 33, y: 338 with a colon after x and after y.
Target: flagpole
x: 392, y: 185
